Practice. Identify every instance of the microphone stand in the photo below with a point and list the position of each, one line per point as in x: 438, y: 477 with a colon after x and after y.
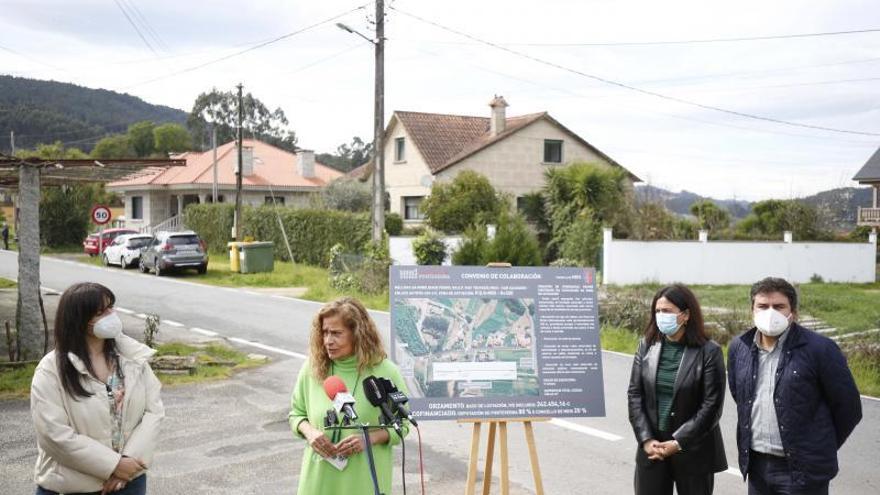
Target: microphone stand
x: 368, y: 447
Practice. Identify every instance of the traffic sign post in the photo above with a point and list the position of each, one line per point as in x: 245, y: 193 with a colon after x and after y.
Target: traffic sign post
x: 101, y: 215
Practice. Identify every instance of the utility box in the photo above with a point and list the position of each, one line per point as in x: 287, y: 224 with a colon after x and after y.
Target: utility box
x: 256, y: 257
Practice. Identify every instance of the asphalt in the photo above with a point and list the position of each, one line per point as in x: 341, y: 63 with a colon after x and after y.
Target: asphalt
x: 231, y: 436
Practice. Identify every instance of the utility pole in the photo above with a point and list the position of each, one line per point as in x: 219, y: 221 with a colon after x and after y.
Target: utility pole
x: 379, y: 127
x: 238, y: 169
x: 214, y: 191
x: 12, y: 142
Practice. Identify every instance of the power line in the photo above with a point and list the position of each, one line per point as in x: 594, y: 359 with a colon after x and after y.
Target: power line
x: 633, y: 88
x: 133, y: 25
x: 246, y: 50
x: 142, y: 20
x: 32, y: 59
x: 704, y: 41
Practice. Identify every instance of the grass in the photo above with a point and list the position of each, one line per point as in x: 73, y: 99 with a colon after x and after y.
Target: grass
x: 5, y: 283
x: 866, y: 371
x: 207, y: 357
x: 619, y: 339
x: 316, y: 281
x: 15, y: 383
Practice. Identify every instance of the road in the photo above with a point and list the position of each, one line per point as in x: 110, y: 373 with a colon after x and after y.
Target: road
x: 593, y: 455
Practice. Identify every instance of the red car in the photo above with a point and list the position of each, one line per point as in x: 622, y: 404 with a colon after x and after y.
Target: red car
x: 90, y: 244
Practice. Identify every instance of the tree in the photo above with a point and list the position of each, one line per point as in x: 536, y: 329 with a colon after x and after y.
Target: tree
x: 55, y: 150
x: 467, y: 200
x: 514, y: 243
x: 429, y: 248
x: 116, y: 146
x: 710, y: 216
x: 140, y: 135
x: 220, y: 108
x: 348, y: 156
x: 770, y: 218
x: 168, y: 138
x: 347, y: 194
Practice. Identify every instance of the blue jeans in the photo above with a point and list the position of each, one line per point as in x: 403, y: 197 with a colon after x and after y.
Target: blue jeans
x: 137, y: 486
x: 770, y: 475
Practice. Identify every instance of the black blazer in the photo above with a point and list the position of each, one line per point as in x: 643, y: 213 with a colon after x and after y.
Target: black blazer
x: 697, y: 403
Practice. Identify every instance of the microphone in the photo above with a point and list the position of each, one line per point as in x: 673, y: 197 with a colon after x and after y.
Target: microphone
x: 375, y: 393
x: 343, y: 402
x: 399, y: 399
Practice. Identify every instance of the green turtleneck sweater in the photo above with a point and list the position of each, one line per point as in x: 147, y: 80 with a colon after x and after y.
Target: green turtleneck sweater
x: 670, y: 359
x: 310, y: 402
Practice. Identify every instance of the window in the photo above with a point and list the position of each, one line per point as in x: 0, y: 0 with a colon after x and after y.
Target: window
x: 278, y: 200
x: 521, y: 204
x: 399, y: 149
x: 411, y: 207
x: 552, y: 151
x: 137, y: 207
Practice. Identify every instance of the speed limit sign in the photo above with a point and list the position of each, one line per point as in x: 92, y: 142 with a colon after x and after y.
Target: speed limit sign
x: 101, y: 214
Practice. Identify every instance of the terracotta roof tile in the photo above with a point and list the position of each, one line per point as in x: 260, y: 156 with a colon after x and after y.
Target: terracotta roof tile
x: 272, y: 165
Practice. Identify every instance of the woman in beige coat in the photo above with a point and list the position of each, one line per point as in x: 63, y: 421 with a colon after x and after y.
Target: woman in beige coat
x: 94, y: 401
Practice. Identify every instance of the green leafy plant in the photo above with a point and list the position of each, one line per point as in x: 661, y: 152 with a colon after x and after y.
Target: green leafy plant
x: 429, y: 248
x: 468, y: 199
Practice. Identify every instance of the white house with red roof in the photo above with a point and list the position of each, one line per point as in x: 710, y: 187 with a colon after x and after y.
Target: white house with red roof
x: 153, y: 201
x: 512, y: 152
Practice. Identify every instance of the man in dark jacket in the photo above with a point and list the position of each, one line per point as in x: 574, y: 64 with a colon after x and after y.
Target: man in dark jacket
x: 795, y: 397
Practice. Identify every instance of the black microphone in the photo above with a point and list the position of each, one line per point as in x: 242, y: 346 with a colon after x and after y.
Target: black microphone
x: 375, y: 393
x: 330, y: 418
x: 399, y: 399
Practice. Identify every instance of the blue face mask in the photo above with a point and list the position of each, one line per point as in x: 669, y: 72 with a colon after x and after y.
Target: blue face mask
x: 667, y: 323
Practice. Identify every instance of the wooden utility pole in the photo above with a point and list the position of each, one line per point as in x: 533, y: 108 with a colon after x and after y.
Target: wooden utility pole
x: 379, y: 127
x: 238, y: 170
x: 215, y: 187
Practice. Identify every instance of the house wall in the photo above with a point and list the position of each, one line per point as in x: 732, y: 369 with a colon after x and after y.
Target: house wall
x: 402, y: 252
x: 404, y: 178
x: 516, y: 165
x: 717, y: 262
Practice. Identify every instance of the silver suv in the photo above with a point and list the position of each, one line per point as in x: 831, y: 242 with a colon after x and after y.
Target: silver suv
x: 172, y: 250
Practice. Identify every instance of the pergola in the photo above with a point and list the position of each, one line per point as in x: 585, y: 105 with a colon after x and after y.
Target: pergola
x: 28, y: 175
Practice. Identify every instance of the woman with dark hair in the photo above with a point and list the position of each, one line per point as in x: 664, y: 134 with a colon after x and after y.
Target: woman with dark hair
x: 94, y: 401
x: 676, y: 394
x: 344, y: 343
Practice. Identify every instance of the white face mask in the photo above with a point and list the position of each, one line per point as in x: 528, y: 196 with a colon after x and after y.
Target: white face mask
x: 108, y: 327
x: 771, y: 323
x: 667, y: 323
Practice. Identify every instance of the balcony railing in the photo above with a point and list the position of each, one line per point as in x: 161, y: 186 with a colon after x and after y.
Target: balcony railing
x: 869, y: 217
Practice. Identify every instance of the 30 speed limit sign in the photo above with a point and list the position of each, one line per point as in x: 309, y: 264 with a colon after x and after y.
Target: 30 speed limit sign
x: 101, y: 214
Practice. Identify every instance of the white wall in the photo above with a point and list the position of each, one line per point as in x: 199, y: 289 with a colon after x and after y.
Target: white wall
x: 402, y: 251
x: 722, y: 262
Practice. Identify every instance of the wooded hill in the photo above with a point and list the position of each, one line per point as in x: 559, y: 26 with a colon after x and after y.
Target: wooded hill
x: 48, y: 111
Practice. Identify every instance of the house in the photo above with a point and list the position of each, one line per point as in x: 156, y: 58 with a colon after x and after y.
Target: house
x: 154, y: 201
x: 512, y: 152
x: 870, y: 175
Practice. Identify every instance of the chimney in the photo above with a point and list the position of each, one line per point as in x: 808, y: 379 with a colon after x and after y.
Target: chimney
x: 247, y: 157
x: 499, y: 117
x: 305, y: 164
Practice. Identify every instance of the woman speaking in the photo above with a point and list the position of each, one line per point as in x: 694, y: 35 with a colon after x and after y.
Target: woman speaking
x: 676, y: 393
x: 94, y: 401
x: 344, y: 343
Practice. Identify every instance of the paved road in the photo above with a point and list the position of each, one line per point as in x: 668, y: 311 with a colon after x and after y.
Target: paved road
x: 582, y: 455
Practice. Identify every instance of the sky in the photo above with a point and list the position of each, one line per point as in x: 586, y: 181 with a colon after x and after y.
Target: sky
x: 572, y: 59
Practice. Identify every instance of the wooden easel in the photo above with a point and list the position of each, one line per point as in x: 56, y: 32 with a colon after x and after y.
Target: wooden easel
x: 501, y: 426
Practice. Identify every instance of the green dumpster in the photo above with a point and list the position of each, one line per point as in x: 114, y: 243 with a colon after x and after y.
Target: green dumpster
x: 257, y: 257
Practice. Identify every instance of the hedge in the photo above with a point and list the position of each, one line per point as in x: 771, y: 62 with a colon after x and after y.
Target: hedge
x: 311, y: 232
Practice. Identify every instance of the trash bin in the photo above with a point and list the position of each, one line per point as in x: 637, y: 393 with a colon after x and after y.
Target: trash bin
x: 234, y: 256
x: 257, y: 257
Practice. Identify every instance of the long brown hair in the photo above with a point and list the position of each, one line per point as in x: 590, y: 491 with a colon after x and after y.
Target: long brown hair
x: 367, y: 342
x: 78, y: 305
x: 684, y: 300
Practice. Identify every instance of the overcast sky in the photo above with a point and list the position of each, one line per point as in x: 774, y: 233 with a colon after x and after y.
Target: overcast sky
x: 323, y: 77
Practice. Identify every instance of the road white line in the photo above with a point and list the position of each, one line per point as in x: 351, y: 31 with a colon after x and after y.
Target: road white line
x: 618, y: 353
x: 124, y: 310
x: 207, y: 333
x: 252, y: 293
x: 268, y: 348
x: 141, y: 315
x: 172, y: 323
x: 49, y: 289
x: 734, y: 471
x: 568, y: 425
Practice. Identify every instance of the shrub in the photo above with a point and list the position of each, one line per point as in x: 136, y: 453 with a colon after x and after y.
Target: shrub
x: 429, y: 248
x: 627, y: 309
x: 582, y: 241
x: 366, y: 273
x: 724, y: 325
x: 514, y: 243
x: 348, y: 195
x: 472, y: 248
x: 311, y: 232
x: 453, y: 206
x: 393, y: 224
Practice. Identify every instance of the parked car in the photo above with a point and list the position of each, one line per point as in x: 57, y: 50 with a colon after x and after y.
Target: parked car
x: 90, y: 244
x: 125, y: 250
x: 174, y: 250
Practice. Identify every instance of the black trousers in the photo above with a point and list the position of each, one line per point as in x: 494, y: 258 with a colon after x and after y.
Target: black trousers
x: 659, y: 477
x: 770, y: 475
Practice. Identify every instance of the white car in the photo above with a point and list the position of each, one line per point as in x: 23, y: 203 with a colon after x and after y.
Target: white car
x: 125, y: 250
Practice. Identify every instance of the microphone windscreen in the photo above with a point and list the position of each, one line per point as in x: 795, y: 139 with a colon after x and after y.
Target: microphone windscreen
x: 333, y: 385
x: 372, y: 391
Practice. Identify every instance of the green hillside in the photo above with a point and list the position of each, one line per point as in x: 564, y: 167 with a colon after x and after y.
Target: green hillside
x: 47, y: 111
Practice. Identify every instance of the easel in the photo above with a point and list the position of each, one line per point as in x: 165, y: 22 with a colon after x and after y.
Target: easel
x: 501, y: 426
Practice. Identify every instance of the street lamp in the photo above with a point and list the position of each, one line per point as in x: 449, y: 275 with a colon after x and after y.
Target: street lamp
x: 378, y: 208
